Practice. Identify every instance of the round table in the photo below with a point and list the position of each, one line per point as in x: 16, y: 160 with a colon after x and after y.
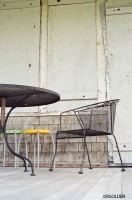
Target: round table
x: 22, y: 96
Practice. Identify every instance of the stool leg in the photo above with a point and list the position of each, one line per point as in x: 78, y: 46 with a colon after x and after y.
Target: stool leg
x: 26, y: 149
x: 16, y: 150
x: 35, y: 144
x: 18, y: 147
x: 53, y: 146
x: 25, y: 141
x: 34, y: 151
x: 38, y: 150
x: 4, y: 154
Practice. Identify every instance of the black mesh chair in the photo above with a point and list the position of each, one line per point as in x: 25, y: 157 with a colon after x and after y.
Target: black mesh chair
x: 94, y: 120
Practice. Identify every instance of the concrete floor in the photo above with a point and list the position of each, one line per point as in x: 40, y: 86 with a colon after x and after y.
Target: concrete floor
x: 65, y: 184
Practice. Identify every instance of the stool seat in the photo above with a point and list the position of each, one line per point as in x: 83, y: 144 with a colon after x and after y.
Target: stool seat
x: 35, y: 131
x: 13, y: 132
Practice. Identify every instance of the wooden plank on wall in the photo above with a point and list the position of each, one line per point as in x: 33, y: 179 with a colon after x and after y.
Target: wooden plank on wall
x: 119, y: 11
x: 61, y: 2
x: 83, y: 96
x: 118, y: 3
x: 6, y: 5
x: 72, y: 50
x: 119, y: 32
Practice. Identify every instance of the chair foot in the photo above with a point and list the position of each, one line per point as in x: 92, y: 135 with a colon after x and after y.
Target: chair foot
x: 50, y: 169
x: 80, y: 172
x: 32, y: 174
x: 123, y: 170
x: 90, y: 168
x: 25, y: 170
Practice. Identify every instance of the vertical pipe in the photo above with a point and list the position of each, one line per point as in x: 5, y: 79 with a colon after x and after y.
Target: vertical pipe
x: 104, y: 32
x: 101, y: 65
x: 102, y: 61
x: 43, y: 48
x: 38, y: 135
x: 44, y: 43
x: 40, y: 45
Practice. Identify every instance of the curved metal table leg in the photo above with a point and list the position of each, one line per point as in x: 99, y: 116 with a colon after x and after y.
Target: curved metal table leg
x: 3, y: 125
x: 53, y: 160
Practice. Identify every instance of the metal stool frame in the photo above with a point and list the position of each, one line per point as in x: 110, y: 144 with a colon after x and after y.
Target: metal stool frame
x: 36, y: 143
x: 15, y: 133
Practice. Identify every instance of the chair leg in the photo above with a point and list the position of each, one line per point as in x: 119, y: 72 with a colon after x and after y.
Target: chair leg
x: 51, y: 168
x: 90, y: 166
x: 81, y: 172
x: 119, y: 153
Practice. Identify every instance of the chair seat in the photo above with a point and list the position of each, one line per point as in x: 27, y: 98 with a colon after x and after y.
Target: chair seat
x: 35, y: 131
x: 79, y: 133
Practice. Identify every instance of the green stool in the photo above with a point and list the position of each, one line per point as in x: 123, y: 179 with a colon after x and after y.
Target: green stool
x: 15, y: 133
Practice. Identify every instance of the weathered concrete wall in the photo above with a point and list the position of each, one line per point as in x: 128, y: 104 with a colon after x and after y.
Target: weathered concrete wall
x: 69, y: 151
x: 119, y: 31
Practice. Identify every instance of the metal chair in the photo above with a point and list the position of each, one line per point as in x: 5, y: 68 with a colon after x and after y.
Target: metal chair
x: 94, y: 120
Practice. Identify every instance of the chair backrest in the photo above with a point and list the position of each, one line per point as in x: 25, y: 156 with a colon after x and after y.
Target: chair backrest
x: 99, y: 116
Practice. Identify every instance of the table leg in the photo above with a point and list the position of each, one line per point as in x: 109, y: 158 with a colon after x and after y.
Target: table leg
x: 3, y: 124
x: 3, y: 105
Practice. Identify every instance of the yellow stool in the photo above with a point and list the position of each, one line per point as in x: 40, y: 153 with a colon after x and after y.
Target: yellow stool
x: 37, y: 133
